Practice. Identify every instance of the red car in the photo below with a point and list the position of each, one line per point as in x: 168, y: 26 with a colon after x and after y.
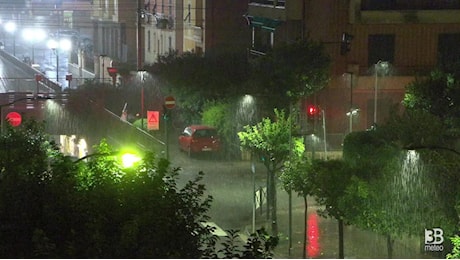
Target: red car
x: 199, y: 138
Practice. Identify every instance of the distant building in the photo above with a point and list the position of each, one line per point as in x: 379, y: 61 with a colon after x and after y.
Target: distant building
x: 162, y: 28
x: 199, y: 26
x: 401, y: 39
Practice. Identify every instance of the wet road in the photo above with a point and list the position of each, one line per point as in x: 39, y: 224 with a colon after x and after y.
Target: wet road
x: 13, y: 78
x: 230, y: 184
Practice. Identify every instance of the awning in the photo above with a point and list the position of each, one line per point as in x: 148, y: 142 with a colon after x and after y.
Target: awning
x: 262, y: 22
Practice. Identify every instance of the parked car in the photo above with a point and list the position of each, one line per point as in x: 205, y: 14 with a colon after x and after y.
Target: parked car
x: 198, y: 139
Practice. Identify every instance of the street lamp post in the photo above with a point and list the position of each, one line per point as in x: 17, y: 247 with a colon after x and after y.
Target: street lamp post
x: 253, y: 170
x: 352, y: 111
x: 142, y: 79
x: 379, y: 67
x: 57, y: 46
x: 102, y: 57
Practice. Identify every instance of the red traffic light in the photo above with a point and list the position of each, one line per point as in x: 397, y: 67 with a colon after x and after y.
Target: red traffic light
x: 312, y: 110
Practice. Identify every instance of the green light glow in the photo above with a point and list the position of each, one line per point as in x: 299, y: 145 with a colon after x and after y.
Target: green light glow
x: 128, y: 160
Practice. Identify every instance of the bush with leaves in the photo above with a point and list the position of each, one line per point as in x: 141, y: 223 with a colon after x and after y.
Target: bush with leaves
x: 52, y: 207
x: 455, y: 254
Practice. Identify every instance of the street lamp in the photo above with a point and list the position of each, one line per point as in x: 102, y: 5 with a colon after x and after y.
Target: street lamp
x: 11, y: 28
x: 381, y: 67
x: 33, y: 36
x: 57, y: 46
x: 353, y: 112
x: 127, y: 159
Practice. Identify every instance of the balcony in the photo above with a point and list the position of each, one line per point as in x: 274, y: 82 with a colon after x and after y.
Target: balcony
x: 163, y: 21
x: 276, y: 9
x: 194, y: 33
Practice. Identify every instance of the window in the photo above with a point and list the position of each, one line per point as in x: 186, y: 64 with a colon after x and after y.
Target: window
x: 448, y: 51
x: 262, y: 39
x: 381, y: 47
x: 270, y: 2
x: 205, y: 133
x: 148, y: 41
x: 409, y: 5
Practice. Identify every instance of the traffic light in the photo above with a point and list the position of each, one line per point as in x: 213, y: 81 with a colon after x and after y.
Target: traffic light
x: 312, y: 115
x: 312, y: 111
x: 345, y: 43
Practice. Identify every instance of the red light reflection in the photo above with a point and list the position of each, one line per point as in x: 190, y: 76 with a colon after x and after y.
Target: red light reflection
x: 313, y: 247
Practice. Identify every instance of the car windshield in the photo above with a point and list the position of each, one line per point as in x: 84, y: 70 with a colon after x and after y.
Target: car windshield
x: 205, y: 133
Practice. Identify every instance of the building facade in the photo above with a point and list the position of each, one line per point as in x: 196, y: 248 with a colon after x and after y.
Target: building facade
x: 196, y: 26
x: 162, y: 28
x: 115, y: 34
x: 390, y: 43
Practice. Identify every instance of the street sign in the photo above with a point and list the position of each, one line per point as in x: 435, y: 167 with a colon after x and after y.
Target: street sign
x: 112, y: 71
x: 152, y: 120
x: 14, y: 118
x: 170, y: 102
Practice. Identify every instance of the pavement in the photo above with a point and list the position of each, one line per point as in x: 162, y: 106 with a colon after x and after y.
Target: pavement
x: 323, y: 235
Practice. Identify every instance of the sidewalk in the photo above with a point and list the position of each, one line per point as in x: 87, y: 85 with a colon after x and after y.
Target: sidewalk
x: 357, y: 243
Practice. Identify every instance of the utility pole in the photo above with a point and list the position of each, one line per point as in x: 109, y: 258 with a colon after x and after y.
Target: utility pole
x: 139, y: 34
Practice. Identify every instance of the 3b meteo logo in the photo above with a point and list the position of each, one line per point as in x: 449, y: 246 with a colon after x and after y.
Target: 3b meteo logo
x: 433, y: 240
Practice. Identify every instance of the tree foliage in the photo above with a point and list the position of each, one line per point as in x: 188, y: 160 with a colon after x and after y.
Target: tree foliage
x: 292, y: 70
x: 412, y: 158
x: 271, y: 139
x: 53, y: 207
x: 216, y: 76
x: 384, y: 174
x: 286, y: 73
x: 330, y: 180
x: 220, y: 115
x: 455, y: 254
x: 438, y: 94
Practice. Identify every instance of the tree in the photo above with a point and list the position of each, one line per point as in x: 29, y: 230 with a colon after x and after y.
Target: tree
x: 219, y: 115
x: 195, y: 79
x: 455, y: 254
x: 53, y: 207
x: 123, y: 206
x: 270, y: 141
x: 34, y: 199
x: 330, y: 180
x: 438, y: 94
x: 290, y: 71
x: 384, y: 174
x: 296, y: 176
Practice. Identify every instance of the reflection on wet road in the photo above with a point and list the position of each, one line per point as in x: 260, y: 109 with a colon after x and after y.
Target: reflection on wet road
x: 13, y: 78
